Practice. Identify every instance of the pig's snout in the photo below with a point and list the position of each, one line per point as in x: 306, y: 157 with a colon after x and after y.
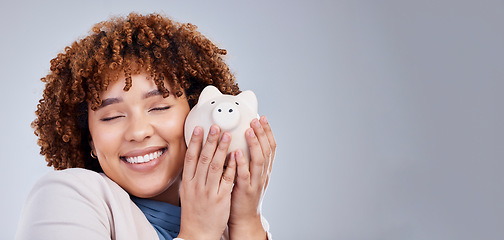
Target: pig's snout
x: 226, y: 115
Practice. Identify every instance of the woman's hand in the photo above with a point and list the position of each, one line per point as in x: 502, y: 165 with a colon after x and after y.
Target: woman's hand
x: 205, y: 190
x: 251, y: 182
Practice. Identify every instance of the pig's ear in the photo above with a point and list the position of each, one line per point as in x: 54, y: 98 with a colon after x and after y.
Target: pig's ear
x: 248, y: 98
x: 208, y: 93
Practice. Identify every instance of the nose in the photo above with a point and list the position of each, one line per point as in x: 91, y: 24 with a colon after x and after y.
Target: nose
x: 139, y: 129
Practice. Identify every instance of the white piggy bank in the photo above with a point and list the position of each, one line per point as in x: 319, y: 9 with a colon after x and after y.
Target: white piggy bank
x: 232, y: 114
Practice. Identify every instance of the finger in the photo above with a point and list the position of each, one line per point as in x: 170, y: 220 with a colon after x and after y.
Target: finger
x: 257, y: 160
x: 269, y: 133
x: 216, y: 167
x: 264, y: 142
x: 271, y: 139
x: 227, y: 180
x: 243, y: 173
x: 192, y: 153
x: 207, y: 153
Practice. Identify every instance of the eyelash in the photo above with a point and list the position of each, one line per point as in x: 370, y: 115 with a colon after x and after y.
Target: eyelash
x: 153, y: 109
x: 160, y: 108
x: 109, y: 118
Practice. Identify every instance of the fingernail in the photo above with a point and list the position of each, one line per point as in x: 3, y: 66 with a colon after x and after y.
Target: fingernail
x: 264, y: 119
x: 239, y: 154
x: 213, y: 130
x: 225, y: 137
x: 256, y: 123
x: 251, y: 132
x: 197, y: 131
x: 232, y: 160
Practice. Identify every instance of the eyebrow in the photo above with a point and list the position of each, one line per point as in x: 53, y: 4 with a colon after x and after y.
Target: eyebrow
x: 153, y: 93
x: 109, y: 101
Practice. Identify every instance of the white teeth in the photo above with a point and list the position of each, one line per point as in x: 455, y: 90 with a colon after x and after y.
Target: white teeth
x: 145, y: 158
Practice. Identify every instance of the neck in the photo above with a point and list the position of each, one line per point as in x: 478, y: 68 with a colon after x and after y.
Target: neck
x: 170, y: 195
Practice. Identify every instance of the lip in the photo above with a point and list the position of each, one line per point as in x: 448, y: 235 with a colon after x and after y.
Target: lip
x: 147, y: 166
x: 142, y: 152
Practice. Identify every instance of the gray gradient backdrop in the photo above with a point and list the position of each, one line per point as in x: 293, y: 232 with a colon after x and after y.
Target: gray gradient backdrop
x: 388, y: 114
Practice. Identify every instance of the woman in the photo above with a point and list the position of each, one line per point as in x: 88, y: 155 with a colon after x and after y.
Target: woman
x: 112, y: 118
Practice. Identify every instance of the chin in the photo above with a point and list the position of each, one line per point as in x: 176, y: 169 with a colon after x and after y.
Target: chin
x: 154, y: 190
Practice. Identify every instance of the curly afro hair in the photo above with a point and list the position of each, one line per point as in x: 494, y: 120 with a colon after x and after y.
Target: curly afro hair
x: 167, y: 50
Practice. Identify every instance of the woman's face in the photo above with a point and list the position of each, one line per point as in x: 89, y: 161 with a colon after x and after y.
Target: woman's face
x: 138, y: 137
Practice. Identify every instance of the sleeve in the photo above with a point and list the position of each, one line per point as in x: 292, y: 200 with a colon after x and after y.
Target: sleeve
x: 266, y: 227
x: 265, y: 224
x: 62, y: 206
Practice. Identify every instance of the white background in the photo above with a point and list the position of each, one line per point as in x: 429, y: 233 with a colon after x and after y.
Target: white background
x: 388, y: 114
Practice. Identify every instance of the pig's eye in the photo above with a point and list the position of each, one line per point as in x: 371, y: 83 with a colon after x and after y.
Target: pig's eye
x: 237, y: 103
x: 212, y: 102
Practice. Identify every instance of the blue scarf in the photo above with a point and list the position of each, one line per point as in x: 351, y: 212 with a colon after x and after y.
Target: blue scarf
x: 164, y: 217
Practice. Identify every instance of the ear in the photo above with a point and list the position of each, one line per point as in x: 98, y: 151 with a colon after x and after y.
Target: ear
x: 208, y: 93
x: 93, y: 150
x: 91, y: 144
x: 249, y: 98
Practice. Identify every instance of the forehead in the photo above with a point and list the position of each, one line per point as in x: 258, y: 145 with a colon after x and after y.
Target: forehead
x: 140, y: 82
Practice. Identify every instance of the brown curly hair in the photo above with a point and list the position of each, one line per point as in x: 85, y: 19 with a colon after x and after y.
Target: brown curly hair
x: 167, y: 50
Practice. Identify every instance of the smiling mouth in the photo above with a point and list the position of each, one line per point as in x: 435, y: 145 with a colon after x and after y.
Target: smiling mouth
x: 145, y: 158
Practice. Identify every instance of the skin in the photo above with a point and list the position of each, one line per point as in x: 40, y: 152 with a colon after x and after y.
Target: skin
x: 201, y: 177
x: 136, y: 122
x: 141, y: 121
x: 251, y: 182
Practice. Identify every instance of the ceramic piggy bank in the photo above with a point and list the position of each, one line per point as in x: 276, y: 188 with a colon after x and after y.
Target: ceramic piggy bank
x: 232, y: 114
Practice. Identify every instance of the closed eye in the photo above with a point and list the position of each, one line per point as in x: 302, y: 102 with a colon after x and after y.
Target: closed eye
x: 160, y: 108
x: 109, y: 118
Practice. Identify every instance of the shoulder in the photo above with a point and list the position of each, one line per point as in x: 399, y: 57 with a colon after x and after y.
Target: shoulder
x: 77, y: 201
x: 84, y: 181
x: 71, y: 175
x: 61, y: 197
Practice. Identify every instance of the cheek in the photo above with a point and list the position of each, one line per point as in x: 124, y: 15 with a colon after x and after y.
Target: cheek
x: 171, y: 128
x: 105, y: 140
